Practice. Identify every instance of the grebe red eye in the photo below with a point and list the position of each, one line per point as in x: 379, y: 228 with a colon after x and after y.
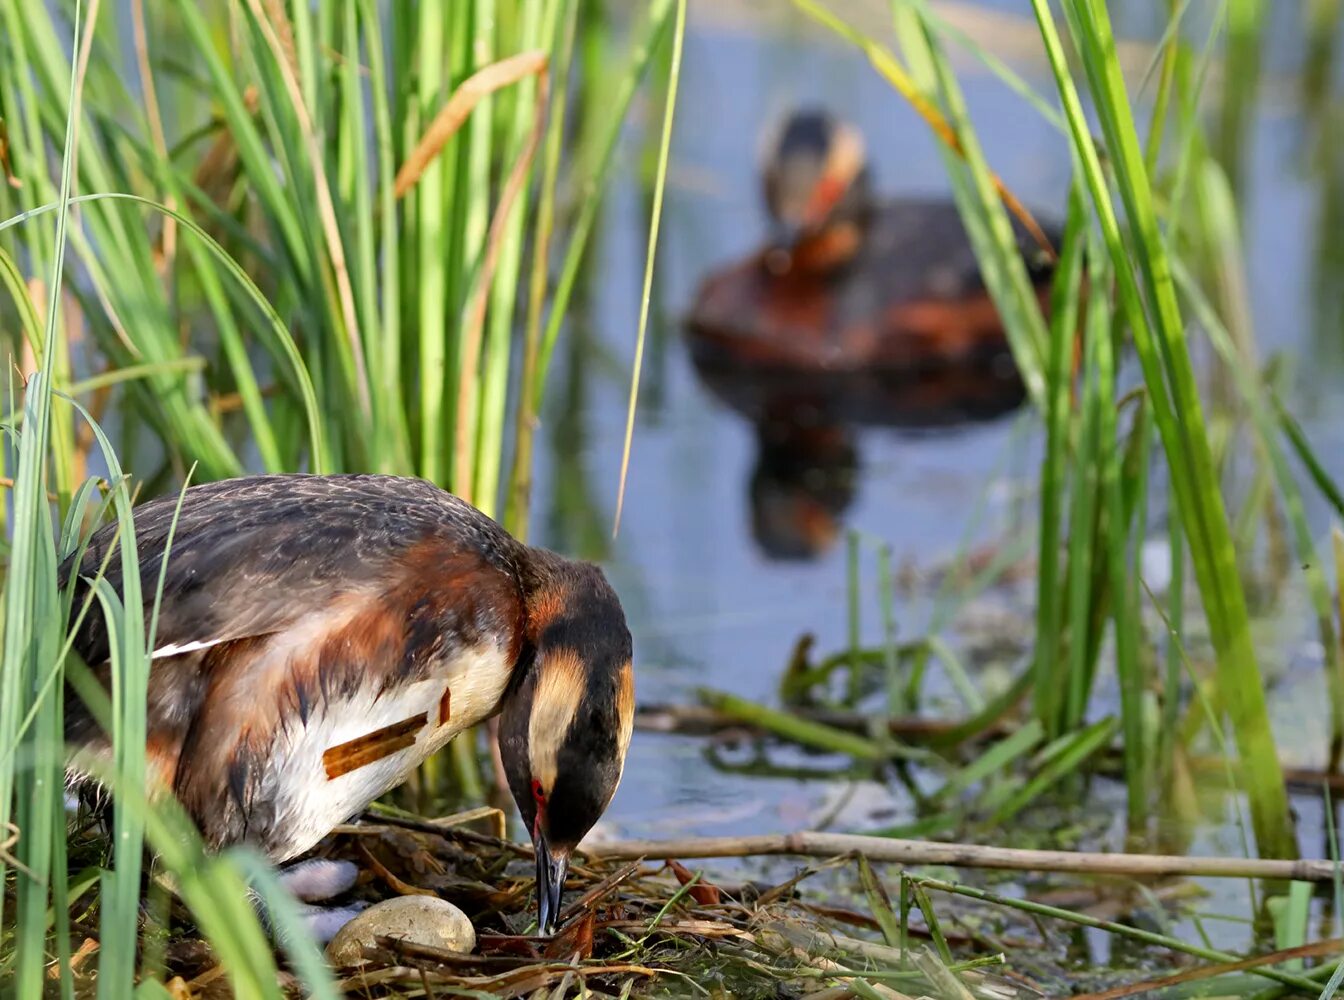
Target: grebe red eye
x: 537, y: 793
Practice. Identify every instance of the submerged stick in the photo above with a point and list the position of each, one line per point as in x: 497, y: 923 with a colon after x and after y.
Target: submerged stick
x: 918, y: 852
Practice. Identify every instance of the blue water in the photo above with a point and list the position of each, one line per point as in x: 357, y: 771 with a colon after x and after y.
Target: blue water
x: 707, y: 607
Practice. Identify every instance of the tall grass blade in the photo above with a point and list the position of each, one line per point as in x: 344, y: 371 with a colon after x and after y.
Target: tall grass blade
x: 660, y: 183
x: 31, y: 772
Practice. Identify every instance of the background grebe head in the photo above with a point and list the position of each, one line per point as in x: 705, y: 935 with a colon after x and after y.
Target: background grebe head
x: 815, y: 175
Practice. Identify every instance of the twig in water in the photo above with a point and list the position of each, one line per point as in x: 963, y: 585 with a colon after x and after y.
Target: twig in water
x: 918, y: 852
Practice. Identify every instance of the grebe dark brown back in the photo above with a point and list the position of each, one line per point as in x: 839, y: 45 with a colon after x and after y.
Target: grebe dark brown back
x: 320, y: 636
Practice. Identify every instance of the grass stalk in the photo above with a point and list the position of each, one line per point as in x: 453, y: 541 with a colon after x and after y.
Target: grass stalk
x: 31, y: 633
x: 659, y: 185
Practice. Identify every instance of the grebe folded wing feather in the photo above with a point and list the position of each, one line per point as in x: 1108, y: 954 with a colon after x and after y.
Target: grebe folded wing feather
x: 300, y: 615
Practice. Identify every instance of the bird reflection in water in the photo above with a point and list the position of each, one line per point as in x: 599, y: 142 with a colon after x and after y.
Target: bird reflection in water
x: 859, y: 311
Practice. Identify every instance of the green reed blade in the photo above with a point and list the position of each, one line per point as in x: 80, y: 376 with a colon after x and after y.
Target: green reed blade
x: 1169, y: 377
x: 520, y: 107
x: 284, y: 341
x: 284, y: 911
x: 981, y: 207
x: 429, y: 296
x: 1305, y: 551
x: 1001, y: 69
x: 1083, y: 531
x: 517, y: 503
x: 659, y: 22
x: 996, y: 758
x: 31, y: 630
x: 791, y: 727
x: 1066, y: 756
x: 879, y: 903
x: 1064, y: 308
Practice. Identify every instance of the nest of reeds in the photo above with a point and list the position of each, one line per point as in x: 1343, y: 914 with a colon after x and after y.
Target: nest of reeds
x: 842, y: 924
x: 627, y: 929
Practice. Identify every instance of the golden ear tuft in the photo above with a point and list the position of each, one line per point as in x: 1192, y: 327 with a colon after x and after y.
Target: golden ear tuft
x: 625, y: 706
x: 560, y: 688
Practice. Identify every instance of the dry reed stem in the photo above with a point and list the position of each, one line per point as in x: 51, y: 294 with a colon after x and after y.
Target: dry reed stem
x: 12, y: 834
x: 214, y: 173
x: 88, y: 947
x: 285, y: 31
x: 374, y: 819
x: 917, y: 852
x: 698, y: 928
x: 498, y: 820
x: 470, y: 92
x: 603, y: 888
x: 326, y: 207
x: 396, y: 884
